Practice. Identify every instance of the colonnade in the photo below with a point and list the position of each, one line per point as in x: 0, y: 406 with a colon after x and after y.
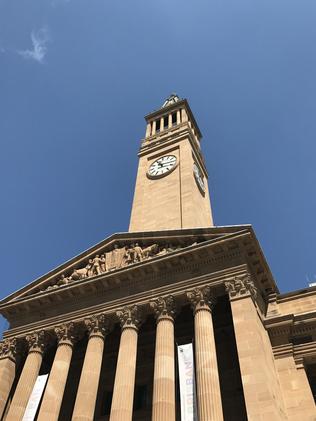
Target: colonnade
x: 98, y: 326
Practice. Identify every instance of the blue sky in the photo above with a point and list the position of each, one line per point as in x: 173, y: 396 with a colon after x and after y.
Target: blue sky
x: 76, y: 79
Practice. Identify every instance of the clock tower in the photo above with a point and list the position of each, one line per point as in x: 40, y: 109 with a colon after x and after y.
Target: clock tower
x: 171, y: 187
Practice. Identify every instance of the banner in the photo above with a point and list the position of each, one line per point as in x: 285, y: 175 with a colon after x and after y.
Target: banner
x: 187, y: 383
x: 35, y: 398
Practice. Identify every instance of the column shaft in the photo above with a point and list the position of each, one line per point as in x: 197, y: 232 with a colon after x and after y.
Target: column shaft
x: 170, y: 120
x: 153, y: 128
x: 7, y: 374
x: 89, y: 380
x: 25, y: 386
x: 164, y: 373
x: 208, y: 388
x: 148, y: 129
x: 161, y: 124
x: 123, y: 394
x: 54, y: 391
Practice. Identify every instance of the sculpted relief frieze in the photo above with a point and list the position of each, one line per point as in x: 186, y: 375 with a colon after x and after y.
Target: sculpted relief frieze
x: 117, y: 258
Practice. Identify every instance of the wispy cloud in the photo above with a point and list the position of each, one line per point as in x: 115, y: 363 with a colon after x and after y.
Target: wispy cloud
x: 38, y: 52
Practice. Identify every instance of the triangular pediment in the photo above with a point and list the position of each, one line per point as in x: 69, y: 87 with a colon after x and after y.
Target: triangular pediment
x: 111, y: 263
x: 152, y: 244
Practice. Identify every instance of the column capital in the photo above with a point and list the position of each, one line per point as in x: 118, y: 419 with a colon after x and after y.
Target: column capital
x: 129, y: 317
x: 201, y: 299
x: 241, y: 287
x: 164, y: 307
x: 8, y: 348
x: 65, y: 334
x: 98, y: 325
x: 36, y: 341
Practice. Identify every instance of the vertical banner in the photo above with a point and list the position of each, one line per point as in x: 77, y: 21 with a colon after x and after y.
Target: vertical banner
x: 187, y: 383
x: 35, y: 398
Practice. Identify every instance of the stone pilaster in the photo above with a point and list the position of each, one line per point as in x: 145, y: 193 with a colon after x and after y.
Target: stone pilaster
x: 7, y: 370
x: 54, y: 391
x: 207, y: 378
x: 259, y: 376
x: 164, y: 403
x: 98, y: 327
x: 36, y: 343
x: 123, y: 393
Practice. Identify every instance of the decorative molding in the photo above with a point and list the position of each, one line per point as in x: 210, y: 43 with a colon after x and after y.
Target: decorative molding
x: 98, y: 325
x: 130, y: 317
x: 36, y: 341
x: 283, y: 351
x: 8, y: 348
x: 240, y: 287
x: 301, y: 353
x: 273, y: 308
x: 65, y: 334
x: 201, y: 299
x: 164, y: 307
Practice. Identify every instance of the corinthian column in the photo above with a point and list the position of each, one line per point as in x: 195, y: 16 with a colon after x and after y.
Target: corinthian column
x: 98, y: 326
x: 7, y: 370
x: 54, y: 391
x: 123, y: 393
x: 164, y: 401
x: 32, y: 365
x: 208, y: 388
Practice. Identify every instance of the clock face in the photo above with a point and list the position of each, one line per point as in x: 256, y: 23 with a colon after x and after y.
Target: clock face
x: 199, y: 178
x: 162, y: 166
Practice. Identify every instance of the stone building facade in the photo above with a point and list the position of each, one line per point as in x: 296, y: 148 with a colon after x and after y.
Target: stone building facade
x: 103, y: 327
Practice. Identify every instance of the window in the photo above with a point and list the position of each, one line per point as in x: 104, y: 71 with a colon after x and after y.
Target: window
x: 174, y: 119
x: 157, y: 126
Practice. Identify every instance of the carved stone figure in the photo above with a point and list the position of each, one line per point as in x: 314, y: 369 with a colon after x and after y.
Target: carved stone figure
x: 96, y: 265
x: 162, y: 251
x: 89, y: 267
x: 64, y: 280
x: 79, y: 274
x: 150, y: 251
x: 103, y: 263
x: 115, y: 258
x: 130, y: 254
x: 138, y: 251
